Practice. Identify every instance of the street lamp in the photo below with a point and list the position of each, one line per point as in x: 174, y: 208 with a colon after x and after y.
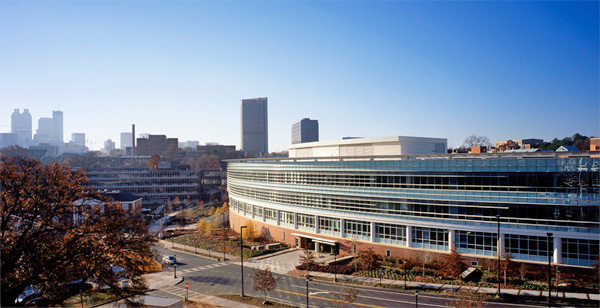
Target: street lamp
x: 242, y: 255
x: 549, y: 271
x: 175, y: 267
x: 404, y: 274
x: 335, y: 263
x: 223, y: 229
x: 498, y: 251
x: 307, y: 280
x: 417, y: 299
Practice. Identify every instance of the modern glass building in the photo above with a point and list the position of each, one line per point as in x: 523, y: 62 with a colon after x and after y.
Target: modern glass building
x: 546, y: 204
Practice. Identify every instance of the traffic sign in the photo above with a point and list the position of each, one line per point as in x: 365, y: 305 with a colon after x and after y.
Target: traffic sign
x: 224, y: 248
x: 187, y: 286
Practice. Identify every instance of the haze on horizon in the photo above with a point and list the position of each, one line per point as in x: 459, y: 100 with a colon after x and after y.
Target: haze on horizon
x: 505, y: 70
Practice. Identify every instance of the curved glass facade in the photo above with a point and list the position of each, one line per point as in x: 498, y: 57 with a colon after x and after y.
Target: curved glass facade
x: 433, y: 202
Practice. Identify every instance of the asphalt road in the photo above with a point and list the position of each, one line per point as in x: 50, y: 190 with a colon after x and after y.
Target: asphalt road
x: 210, y: 277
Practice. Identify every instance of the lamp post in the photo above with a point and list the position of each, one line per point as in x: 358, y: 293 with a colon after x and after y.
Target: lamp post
x: 196, y: 243
x: 405, y: 274
x: 335, y: 263
x: 549, y: 271
x: 175, y: 267
x: 242, y: 255
x: 417, y: 299
x: 223, y: 229
x: 498, y: 251
x: 307, y: 280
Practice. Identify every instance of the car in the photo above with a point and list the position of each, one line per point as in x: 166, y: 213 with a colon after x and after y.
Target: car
x: 169, y: 259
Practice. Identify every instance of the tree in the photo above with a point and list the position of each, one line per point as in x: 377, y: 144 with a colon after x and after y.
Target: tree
x: 347, y: 296
x: 308, y: 258
x: 249, y: 232
x: 176, y: 203
x: 55, y: 244
x: 470, y: 299
x: 264, y: 281
x: 153, y: 162
x: 368, y: 259
x: 452, y: 265
x: 212, y: 211
x: 475, y: 140
x: 202, y: 227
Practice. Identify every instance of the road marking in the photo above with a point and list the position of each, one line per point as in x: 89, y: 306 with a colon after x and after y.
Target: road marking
x: 329, y: 299
x: 181, y: 293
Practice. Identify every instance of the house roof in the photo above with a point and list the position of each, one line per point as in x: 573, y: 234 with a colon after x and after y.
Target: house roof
x: 567, y: 148
x: 121, y: 196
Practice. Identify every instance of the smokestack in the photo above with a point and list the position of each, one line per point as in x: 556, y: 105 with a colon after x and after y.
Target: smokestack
x: 132, y: 139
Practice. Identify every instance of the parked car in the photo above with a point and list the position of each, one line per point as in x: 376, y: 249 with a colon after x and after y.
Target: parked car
x: 169, y: 260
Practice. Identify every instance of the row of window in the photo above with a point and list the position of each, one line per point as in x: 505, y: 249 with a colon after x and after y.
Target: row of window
x: 521, y: 247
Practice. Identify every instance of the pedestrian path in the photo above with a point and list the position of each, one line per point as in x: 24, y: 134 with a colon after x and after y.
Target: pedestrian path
x: 192, y: 250
x: 201, y: 268
x: 438, y: 286
x: 179, y: 292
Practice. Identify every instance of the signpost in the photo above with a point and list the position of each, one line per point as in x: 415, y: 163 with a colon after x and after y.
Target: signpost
x: 187, y: 286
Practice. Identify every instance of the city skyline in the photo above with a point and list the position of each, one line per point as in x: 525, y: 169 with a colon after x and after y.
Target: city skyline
x: 502, y: 70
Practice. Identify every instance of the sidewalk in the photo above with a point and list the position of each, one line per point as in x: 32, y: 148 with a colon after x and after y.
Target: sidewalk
x: 438, y: 286
x: 161, y: 279
x: 192, y: 250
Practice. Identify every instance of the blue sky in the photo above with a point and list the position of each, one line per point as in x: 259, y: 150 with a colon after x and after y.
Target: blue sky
x: 505, y: 70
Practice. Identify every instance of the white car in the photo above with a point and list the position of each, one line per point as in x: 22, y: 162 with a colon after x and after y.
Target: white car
x: 169, y: 259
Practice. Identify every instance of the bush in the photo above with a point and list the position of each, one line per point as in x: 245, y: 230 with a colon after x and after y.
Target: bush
x: 338, y: 269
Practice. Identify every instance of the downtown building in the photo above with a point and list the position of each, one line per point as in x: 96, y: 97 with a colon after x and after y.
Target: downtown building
x: 254, y: 124
x: 306, y: 130
x: 405, y: 197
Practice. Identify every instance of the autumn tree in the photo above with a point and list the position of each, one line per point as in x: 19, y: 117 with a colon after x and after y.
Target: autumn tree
x: 249, y: 232
x: 368, y: 259
x: 212, y: 211
x: 55, y: 239
x: 264, y: 281
x: 452, y: 265
x: 346, y: 296
x: 153, y: 162
x: 308, y: 257
x: 202, y: 226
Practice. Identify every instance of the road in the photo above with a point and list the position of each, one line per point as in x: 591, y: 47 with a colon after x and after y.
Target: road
x: 210, y: 277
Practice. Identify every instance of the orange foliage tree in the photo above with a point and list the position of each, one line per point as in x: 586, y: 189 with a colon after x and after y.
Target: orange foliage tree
x: 58, y: 234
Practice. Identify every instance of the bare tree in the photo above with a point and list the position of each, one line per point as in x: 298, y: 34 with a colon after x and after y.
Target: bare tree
x: 475, y: 140
x: 308, y: 258
x: 264, y: 281
x: 347, y: 296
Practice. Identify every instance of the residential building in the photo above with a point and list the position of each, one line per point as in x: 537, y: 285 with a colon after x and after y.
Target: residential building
x: 530, y: 143
x: 422, y: 206
x: 8, y: 139
x: 306, y: 130
x: 567, y: 148
x: 594, y: 144
x: 254, y: 125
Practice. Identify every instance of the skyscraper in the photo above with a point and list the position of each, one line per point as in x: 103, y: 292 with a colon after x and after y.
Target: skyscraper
x: 109, y: 145
x: 254, y: 125
x: 45, y: 130
x: 306, y: 130
x: 126, y: 140
x: 57, y: 116
x: 78, y: 138
x: 21, y: 126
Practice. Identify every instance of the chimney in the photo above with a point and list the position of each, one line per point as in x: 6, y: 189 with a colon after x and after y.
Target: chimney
x: 132, y: 139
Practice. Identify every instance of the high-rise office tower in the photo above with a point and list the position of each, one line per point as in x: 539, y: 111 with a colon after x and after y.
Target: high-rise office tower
x: 78, y: 138
x: 21, y: 126
x: 254, y: 125
x: 306, y: 130
x: 109, y: 145
x: 126, y: 140
x: 45, y: 130
x: 57, y: 116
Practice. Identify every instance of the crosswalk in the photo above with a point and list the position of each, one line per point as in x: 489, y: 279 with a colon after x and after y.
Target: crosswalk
x: 201, y: 268
x: 179, y: 292
x: 278, y: 267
